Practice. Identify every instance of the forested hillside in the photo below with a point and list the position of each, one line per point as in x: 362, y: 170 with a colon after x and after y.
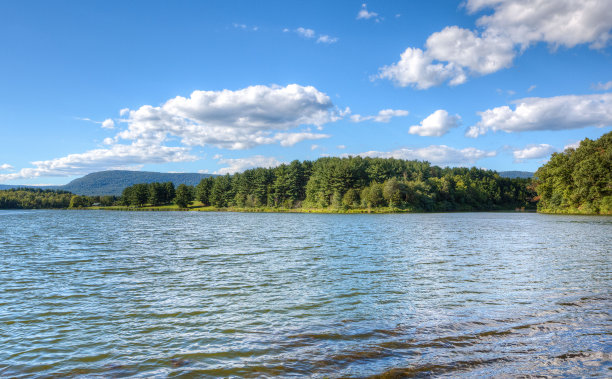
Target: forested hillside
x: 356, y: 182
x: 578, y: 180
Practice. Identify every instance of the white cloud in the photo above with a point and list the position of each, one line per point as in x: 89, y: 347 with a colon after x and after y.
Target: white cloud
x: 436, y: 124
x: 573, y: 145
x: 240, y: 164
x: 533, y: 152
x: 108, y: 124
x: 203, y: 171
x: 310, y: 33
x: 557, y: 22
x: 341, y: 147
x: 454, y: 53
x: 384, y: 115
x: 327, y: 39
x: 480, y: 54
x: 233, y: 119
x: 115, y: 157
x: 365, y: 15
x: 436, y: 154
x: 415, y: 68
x: 239, y: 26
x: 602, y: 86
x: 5, y: 167
x: 314, y: 147
x: 290, y: 139
x: 552, y: 113
x: 306, y: 33
x: 531, y: 88
x: 124, y: 112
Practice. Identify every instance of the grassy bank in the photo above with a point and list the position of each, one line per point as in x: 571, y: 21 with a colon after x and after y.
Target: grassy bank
x: 199, y: 207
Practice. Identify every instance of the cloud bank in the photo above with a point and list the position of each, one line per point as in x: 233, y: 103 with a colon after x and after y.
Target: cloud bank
x: 552, y: 113
x: 533, y: 152
x: 436, y: 154
x: 241, y: 164
x: 384, y: 115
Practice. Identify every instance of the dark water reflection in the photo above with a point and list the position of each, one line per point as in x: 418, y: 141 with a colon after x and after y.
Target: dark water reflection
x: 249, y: 295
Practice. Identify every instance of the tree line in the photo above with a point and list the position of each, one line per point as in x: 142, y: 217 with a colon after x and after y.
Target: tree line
x: 357, y: 182
x: 34, y: 198
x: 577, y: 180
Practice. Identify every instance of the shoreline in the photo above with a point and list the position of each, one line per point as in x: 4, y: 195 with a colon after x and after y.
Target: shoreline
x: 384, y: 210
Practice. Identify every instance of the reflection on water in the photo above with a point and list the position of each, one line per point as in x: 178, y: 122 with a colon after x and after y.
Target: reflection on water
x: 224, y: 294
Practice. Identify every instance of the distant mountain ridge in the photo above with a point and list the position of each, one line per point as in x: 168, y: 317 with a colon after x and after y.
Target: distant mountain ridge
x: 516, y: 174
x: 114, y: 181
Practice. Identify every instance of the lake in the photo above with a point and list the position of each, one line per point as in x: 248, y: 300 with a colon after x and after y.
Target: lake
x: 156, y: 294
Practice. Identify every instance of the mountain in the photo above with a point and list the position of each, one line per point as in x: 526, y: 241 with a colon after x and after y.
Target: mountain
x: 516, y: 174
x: 113, y: 182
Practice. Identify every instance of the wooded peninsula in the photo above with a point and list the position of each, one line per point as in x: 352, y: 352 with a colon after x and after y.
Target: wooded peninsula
x: 574, y: 181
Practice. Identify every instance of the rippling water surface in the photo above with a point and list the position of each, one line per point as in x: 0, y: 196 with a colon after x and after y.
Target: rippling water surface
x: 145, y: 294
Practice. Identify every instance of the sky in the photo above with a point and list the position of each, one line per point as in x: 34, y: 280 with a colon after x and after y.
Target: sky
x: 224, y: 86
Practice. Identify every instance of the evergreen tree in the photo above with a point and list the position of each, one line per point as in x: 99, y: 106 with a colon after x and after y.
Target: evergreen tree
x: 184, y: 195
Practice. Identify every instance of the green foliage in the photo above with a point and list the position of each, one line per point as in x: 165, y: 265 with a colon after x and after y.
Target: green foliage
x: 33, y: 198
x: 578, y: 180
x: 203, y: 190
x: 77, y: 201
x: 184, y: 196
x: 140, y: 194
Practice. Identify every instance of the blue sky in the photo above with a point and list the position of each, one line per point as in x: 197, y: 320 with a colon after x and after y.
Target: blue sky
x: 223, y: 86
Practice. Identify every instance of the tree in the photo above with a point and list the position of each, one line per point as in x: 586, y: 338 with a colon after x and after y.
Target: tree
x: 139, y: 194
x: 184, y: 196
x: 79, y: 201
x: 170, y: 192
x: 203, y: 190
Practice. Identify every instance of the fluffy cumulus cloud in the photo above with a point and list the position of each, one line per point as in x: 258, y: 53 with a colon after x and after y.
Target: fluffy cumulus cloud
x: 5, y: 167
x: 416, y: 68
x: 552, y: 113
x: 533, y: 152
x: 108, y: 124
x: 240, y: 164
x: 115, y: 157
x: 437, y: 154
x: 436, y: 124
x: 454, y: 53
x: 233, y: 119
x: 384, y: 115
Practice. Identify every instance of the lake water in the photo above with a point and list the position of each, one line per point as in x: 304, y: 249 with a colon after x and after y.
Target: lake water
x: 146, y: 294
